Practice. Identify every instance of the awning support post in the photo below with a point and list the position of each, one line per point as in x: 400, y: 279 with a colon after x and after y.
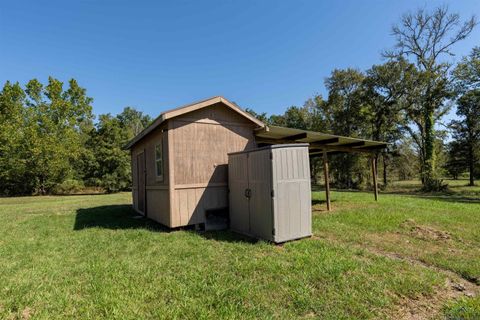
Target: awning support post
x: 327, y: 180
x: 374, y: 174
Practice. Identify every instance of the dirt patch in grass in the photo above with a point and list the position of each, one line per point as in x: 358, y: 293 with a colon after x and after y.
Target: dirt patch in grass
x: 431, y: 306
x: 321, y: 208
x: 423, y: 232
x: 26, y: 313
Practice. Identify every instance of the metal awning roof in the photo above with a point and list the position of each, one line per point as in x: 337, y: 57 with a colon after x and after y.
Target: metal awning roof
x: 318, y: 141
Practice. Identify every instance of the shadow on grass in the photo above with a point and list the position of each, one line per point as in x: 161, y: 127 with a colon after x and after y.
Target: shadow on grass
x: 227, y: 236
x: 321, y: 201
x: 319, y: 205
x: 124, y: 217
x: 114, y: 217
x: 450, y: 198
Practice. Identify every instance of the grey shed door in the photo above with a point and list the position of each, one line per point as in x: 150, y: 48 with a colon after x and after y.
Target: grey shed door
x: 259, y: 180
x: 278, y: 204
x: 292, y: 205
x: 239, y: 211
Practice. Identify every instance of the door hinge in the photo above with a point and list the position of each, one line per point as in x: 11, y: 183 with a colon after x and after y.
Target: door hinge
x: 272, y: 193
x: 271, y: 155
x: 273, y: 231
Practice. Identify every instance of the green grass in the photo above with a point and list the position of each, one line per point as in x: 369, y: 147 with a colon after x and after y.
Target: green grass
x: 468, y: 309
x: 456, y: 188
x: 86, y: 257
x: 409, y: 225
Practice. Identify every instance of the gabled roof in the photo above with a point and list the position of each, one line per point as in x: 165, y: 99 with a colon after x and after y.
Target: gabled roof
x: 189, y: 108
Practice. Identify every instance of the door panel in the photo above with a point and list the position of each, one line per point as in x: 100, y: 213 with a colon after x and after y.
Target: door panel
x: 292, y: 194
x: 259, y: 180
x: 238, y: 177
x: 141, y: 182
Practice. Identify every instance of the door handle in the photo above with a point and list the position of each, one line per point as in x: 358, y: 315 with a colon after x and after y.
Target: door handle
x: 248, y: 193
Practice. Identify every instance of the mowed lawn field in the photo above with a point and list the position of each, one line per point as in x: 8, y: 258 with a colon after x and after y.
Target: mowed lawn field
x: 410, y: 256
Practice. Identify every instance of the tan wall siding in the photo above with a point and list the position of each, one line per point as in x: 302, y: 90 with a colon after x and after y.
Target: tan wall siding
x: 133, y: 162
x: 217, y: 112
x: 201, y: 141
x: 150, y: 142
x: 157, y: 199
x: 191, y: 203
x: 158, y: 207
x: 148, y: 145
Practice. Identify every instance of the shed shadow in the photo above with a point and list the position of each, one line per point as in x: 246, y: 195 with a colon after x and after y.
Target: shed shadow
x: 321, y: 201
x: 114, y: 217
x: 228, y: 236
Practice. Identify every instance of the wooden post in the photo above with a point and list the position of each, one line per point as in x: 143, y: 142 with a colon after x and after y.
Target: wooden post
x: 374, y: 173
x: 327, y: 180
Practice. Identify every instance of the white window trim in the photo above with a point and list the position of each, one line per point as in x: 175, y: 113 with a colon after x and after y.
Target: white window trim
x: 157, y: 177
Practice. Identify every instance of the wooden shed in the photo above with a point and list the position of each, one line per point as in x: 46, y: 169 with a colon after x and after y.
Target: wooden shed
x: 179, y: 162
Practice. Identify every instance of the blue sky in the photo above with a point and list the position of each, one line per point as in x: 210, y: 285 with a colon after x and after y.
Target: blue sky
x: 266, y: 55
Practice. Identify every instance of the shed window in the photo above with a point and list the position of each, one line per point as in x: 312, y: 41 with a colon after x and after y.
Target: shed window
x: 159, y: 161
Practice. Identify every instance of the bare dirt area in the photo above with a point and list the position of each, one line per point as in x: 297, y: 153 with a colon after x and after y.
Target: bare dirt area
x: 430, y: 307
x: 423, y: 232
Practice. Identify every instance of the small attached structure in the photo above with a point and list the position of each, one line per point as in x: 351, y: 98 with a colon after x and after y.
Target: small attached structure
x: 179, y: 162
x: 270, y: 194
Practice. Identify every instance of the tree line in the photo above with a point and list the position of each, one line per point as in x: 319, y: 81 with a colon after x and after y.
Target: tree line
x: 403, y: 102
x: 51, y: 143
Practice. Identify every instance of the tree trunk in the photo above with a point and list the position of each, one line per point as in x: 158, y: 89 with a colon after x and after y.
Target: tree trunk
x: 471, y: 165
x: 429, y: 161
x: 348, y: 177
x: 385, y: 180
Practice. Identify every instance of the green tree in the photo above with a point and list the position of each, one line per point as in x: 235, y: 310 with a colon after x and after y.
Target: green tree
x: 277, y: 120
x: 344, y: 107
x: 455, y: 164
x: 55, y: 120
x: 467, y: 73
x: 133, y: 120
x: 385, y: 89
x: 297, y: 117
x: 110, y: 167
x: 344, y: 101
x: 428, y: 37
x: 321, y: 115
x: 405, y: 160
x: 467, y: 84
x: 13, y: 179
x: 108, y: 164
x: 260, y: 116
x: 466, y: 131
